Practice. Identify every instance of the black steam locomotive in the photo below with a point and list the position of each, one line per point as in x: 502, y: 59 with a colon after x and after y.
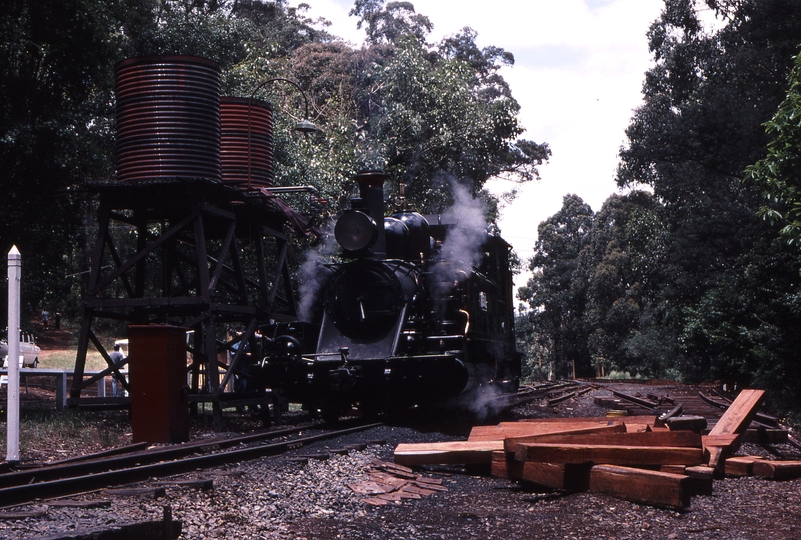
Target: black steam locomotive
x: 409, y: 320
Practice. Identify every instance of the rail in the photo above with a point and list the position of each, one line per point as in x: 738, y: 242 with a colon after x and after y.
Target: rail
x: 57, y: 481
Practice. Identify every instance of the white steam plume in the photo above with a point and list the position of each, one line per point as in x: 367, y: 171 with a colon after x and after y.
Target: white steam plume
x: 462, y: 245
x: 313, y: 273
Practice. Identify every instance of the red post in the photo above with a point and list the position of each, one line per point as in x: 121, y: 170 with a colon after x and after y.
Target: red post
x: 159, y: 391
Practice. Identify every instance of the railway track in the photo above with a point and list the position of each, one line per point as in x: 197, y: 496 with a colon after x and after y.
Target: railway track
x: 137, y: 462
x: 93, y: 473
x: 670, y: 402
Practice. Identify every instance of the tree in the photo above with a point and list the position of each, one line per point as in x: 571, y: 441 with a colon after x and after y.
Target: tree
x: 385, y: 24
x: 55, y: 65
x: 431, y: 119
x: 622, y: 264
x: 557, y: 292
x: 699, y: 127
x: 778, y: 175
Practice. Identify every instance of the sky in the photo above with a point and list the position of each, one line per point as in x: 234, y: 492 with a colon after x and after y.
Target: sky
x: 578, y: 74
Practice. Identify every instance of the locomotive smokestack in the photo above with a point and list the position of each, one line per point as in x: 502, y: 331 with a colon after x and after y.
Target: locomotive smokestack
x: 371, y: 190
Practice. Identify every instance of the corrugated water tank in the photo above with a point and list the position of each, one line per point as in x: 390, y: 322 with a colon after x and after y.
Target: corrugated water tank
x: 168, y: 118
x: 246, y: 141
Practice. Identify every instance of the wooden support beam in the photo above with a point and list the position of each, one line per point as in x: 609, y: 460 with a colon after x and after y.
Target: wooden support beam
x: 635, y: 425
x: 740, y: 465
x: 687, y: 423
x: 734, y: 422
x: 616, y: 455
x: 510, y: 443
x: 441, y: 453
x: 611, y: 438
x: 740, y: 413
x: 505, y: 466
x: 700, y: 479
x: 777, y: 470
x: 506, y: 430
x: 642, y: 486
x: 569, y: 476
x: 762, y: 435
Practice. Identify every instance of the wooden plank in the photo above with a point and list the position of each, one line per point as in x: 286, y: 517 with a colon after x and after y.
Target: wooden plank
x: 510, y: 443
x: 734, y: 421
x: 777, y: 470
x: 740, y: 465
x: 740, y: 412
x: 443, y: 453
x: 615, y: 455
x: 637, y: 426
x: 717, y: 447
x: 542, y: 426
x: 569, y: 476
x: 505, y: 466
x: 643, y: 438
x: 641, y: 486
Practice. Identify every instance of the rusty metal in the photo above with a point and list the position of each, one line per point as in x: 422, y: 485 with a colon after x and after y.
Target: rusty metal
x: 19, y: 494
x: 159, y: 393
x: 135, y: 456
x: 168, y: 118
x: 246, y: 142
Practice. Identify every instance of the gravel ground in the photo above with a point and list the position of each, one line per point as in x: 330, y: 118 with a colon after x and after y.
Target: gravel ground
x: 289, y: 498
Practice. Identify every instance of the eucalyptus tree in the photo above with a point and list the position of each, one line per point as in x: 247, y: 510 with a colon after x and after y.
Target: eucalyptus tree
x: 778, y: 174
x: 55, y: 64
x: 557, y: 292
x: 705, y: 101
x: 623, y: 264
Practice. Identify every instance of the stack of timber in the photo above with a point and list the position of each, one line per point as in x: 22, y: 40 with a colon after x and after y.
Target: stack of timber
x: 638, y: 459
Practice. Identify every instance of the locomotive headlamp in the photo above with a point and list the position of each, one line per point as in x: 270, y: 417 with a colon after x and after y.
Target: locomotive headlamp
x: 355, y: 230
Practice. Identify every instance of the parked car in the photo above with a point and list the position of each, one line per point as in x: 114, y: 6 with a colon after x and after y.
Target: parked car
x: 28, y: 349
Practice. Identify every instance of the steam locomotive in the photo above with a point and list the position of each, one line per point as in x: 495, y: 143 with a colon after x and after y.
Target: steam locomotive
x: 409, y: 320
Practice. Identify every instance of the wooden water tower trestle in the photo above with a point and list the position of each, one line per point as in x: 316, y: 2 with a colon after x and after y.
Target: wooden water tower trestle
x: 200, y: 254
x: 191, y: 233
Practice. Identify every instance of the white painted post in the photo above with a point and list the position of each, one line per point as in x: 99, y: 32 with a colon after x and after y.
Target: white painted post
x: 12, y: 407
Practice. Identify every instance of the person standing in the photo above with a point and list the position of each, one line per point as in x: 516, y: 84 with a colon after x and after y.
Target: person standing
x: 116, y: 357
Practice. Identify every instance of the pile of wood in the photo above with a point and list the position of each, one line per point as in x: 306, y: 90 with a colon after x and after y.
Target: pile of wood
x: 634, y: 458
x: 391, y: 482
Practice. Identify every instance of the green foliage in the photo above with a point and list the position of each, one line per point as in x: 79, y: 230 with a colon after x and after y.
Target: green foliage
x: 688, y: 283
x: 57, y: 113
x: 557, y: 292
x: 388, y: 23
x: 778, y: 175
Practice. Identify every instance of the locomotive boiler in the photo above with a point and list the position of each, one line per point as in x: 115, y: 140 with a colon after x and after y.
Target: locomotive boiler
x: 407, y: 319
